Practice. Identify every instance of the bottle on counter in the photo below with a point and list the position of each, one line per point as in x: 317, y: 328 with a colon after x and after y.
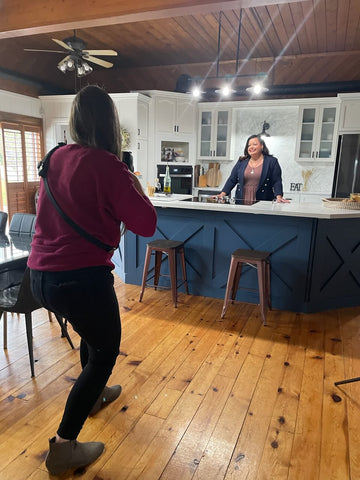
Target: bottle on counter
x: 167, y: 181
x: 157, y: 185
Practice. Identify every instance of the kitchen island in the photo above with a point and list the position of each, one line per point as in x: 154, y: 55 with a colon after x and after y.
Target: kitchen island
x: 315, y: 251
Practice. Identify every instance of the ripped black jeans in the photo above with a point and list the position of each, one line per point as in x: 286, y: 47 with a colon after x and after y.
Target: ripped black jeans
x: 86, y: 298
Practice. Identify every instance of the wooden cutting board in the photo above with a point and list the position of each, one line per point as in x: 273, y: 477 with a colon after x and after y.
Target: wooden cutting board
x: 213, y: 175
x: 202, y: 181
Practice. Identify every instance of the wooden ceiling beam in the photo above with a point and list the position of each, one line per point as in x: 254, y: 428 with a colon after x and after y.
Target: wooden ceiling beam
x: 21, y: 17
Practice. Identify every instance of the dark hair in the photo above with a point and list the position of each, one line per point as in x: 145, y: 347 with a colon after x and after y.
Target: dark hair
x: 94, y: 120
x: 262, y: 143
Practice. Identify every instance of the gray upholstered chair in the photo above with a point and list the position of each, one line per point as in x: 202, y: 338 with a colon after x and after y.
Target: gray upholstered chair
x: 22, y: 224
x: 17, y: 298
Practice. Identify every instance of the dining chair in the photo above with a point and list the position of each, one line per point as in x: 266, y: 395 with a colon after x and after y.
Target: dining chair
x: 21, y: 230
x: 22, y: 224
x: 3, y: 221
x: 18, y: 298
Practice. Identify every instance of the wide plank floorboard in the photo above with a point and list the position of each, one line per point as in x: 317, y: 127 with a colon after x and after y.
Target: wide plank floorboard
x: 203, y: 398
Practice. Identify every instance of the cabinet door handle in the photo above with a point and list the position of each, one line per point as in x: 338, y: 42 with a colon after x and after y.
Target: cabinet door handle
x: 138, y: 145
x: 317, y: 154
x: 138, y: 131
x: 174, y: 128
x: 312, y: 154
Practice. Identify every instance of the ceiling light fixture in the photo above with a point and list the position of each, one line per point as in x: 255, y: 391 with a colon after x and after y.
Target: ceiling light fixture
x: 72, y: 62
x: 196, y: 88
x: 257, y: 89
x: 228, y: 88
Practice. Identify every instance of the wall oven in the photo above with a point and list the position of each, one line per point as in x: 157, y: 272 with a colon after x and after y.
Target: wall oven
x: 181, y: 178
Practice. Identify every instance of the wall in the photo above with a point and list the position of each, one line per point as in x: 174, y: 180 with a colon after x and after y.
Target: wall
x: 20, y: 104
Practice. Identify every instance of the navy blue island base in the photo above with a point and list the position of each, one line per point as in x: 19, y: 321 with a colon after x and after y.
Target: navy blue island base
x: 315, y: 262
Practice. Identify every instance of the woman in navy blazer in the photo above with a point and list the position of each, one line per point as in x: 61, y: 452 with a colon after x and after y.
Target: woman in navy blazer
x: 255, y: 183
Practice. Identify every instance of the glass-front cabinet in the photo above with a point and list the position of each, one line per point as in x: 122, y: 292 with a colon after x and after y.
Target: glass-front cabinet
x: 214, y: 134
x: 316, y: 140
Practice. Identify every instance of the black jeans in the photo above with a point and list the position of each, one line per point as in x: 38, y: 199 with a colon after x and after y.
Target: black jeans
x: 86, y: 298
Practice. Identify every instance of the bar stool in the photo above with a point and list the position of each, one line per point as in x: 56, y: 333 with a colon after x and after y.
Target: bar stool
x: 255, y: 259
x: 170, y: 248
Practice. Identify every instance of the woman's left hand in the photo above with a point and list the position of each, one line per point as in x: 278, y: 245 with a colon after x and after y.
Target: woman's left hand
x: 280, y: 199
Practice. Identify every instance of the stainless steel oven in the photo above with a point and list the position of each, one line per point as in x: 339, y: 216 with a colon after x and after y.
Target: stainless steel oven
x: 181, y: 178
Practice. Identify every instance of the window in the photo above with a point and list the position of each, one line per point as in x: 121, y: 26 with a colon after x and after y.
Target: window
x: 22, y: 150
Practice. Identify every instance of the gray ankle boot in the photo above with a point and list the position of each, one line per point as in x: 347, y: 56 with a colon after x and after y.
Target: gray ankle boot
x: 72, y: 454
x: 109, y: 394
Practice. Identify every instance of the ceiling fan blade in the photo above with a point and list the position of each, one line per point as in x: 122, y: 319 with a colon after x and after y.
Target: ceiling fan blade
x: 36, y: 50
x: 98, y: 61
x: 100, y: 52
x: 64, y: 59
x: 62, y: 44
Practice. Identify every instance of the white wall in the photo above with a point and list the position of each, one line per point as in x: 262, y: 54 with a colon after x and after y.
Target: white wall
x: 20, y: 104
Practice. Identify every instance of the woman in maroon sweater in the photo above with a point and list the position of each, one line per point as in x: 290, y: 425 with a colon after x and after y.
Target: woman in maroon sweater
x: 72, y: 276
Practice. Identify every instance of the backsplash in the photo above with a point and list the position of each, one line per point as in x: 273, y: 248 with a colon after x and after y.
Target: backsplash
x: 283, y: 123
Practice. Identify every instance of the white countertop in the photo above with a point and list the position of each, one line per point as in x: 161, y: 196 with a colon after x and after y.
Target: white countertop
x: 308, y: 210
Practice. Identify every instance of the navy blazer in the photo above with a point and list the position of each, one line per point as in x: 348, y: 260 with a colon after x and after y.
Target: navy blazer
x: 270, y: 184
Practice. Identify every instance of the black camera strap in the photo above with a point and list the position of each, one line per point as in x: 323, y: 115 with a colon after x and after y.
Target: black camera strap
x: 43, y: 167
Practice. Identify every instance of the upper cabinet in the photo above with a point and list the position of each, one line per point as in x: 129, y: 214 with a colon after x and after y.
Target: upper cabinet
x: 133, y: 110
x: 349, y: 113
x: 172, y: 129
x: 316, y: 140
x: 214, y: 133
x: 143, y: 117
x: 175, y: 114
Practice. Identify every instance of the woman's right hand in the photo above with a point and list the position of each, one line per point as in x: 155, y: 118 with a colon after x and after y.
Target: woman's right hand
x: 219, y: 195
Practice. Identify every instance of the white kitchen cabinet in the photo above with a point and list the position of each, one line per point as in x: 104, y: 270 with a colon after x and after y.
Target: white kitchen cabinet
x: 133, y: 110
x: 143, y: 117
x: 175, y: 114
x: 350, y: 116
x: 214, y: 134
x: 141, y: 164
x: 316, y: 139
x: 172, y: 128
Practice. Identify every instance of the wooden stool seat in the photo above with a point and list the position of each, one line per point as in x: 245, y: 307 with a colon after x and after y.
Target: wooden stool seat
x: 256, y: 259
x: 170, y: 248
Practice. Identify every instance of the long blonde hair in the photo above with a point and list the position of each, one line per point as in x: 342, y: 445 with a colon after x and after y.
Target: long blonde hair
x: 94, y: 120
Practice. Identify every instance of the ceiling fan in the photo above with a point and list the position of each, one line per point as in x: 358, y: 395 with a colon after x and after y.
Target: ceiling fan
x: 78, y: 56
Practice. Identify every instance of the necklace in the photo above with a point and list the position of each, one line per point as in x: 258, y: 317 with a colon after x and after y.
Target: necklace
x: 252, y: 168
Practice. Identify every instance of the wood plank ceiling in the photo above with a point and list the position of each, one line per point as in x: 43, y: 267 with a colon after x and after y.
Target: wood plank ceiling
x: 299, y: 43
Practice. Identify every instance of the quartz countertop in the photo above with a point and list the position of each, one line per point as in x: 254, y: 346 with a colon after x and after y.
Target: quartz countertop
x: 309, y: 210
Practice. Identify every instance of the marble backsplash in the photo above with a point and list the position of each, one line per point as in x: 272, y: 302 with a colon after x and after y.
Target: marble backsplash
x: 283, y: 128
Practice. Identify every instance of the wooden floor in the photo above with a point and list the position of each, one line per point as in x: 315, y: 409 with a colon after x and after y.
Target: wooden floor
x: 202, y: 398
